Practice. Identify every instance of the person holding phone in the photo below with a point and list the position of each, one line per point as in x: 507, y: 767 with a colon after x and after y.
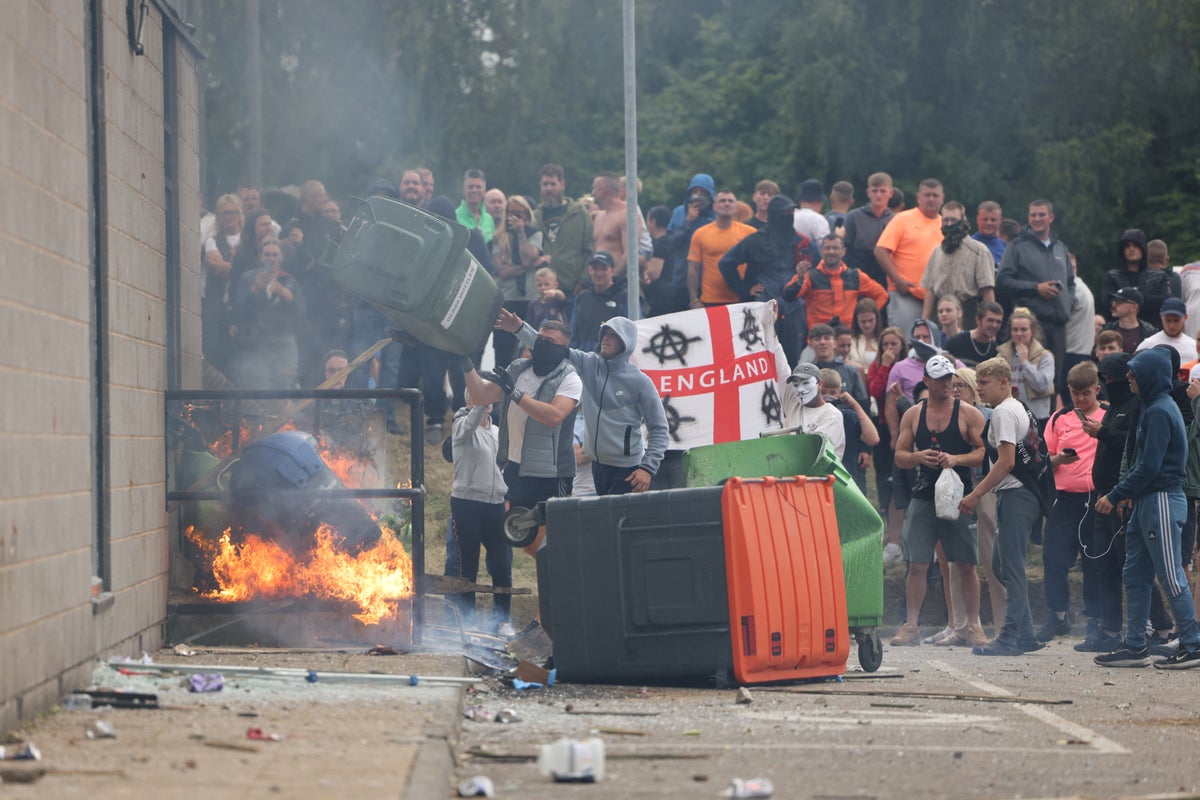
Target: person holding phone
x: 1072, y: 453
x: 1035, y: 272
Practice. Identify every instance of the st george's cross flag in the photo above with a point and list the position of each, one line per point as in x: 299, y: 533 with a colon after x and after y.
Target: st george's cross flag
x: 720, y: 372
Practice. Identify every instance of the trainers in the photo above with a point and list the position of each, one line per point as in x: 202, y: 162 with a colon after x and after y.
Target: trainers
x: 1030, y: 645
x: 1053, y: 628
x: 1103, y: 643
x: 892, y: 554
x: 909, y: 635
x: 973, y: 636
x: 1125, y: 656
x: 998, y: 647
x: 1166, y: 645
x: 1182, y: 658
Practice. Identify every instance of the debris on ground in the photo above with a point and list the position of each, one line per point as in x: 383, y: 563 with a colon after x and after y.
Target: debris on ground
x: 743, y: 697
x: 753, y: 788
x: 183, y: 650
x: 573, y: 761
x: 25, y: 751
x: 100, y: 729
x: 507, y: 716
x: 205, y: 682
x: 477, y: 786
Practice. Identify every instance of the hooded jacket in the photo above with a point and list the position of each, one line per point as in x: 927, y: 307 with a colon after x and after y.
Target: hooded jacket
x: 476, y: 473
x: 617, y: 399
x: 592, y: 308
x: 769, y: 254
x: 1154, y: 284
x: 1114, y: 430
x: 1159, y: 456
x: 679, y: 215
x: 1028, y: 262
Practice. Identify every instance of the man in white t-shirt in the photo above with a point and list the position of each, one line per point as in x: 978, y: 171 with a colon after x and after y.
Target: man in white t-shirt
x: 807, y: 409
x: 1173, y: 315
x: 1018, y: 507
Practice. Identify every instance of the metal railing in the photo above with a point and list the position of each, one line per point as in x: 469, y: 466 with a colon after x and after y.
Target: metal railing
x: 414, y: 494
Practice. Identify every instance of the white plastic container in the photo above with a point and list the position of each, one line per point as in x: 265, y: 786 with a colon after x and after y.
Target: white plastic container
x: 573, y: 761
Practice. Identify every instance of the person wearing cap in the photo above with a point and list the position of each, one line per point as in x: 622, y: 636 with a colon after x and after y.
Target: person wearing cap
x: 904, y: 248
x: 941, y: 433
x: 1173, y: 315
x: 805, y: 407
x: 1133, y: 272
x: 604, y: 298
x: 1124, y: 305
x: 808, y: 220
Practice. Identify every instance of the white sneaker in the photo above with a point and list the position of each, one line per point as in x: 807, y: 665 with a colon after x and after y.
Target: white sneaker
x: 892, y: 554
x: 505, y: 631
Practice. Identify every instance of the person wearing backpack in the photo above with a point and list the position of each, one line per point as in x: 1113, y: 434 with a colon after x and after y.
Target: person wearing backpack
x: 1019, y: 473
x: 1154, y: 524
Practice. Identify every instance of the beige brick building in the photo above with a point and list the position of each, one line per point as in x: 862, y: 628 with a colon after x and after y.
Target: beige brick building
x: 99, y: 315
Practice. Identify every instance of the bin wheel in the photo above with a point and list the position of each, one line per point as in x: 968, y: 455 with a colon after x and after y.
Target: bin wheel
x: 520, y: 526
x: 870, y: 651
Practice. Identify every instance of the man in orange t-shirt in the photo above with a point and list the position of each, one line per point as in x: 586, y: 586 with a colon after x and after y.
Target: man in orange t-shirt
x: 706, y: 287
x: 903, y: 250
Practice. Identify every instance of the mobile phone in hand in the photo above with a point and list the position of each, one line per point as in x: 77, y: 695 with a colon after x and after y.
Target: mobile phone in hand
x: 1069, y: 451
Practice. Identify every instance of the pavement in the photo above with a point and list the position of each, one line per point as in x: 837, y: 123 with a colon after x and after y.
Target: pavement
x: 932, y: 722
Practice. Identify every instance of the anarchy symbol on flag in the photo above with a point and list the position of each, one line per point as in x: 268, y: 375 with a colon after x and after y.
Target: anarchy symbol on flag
x: 720, y: 369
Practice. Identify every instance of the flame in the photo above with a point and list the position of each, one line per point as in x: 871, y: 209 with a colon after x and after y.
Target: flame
x: 375, y: 579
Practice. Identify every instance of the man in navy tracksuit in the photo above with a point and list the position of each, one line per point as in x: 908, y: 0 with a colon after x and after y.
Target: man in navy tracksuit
x: 1155, y: 523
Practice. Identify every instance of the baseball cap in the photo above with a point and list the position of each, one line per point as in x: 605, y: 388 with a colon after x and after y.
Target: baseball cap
x: 1126, y: 295
x: 1173, y: 306
x: 939, y: 367
x: 805, y: 378
x: 602, y: 257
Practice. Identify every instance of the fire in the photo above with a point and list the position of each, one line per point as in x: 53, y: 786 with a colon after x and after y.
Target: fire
x: 375, y: 579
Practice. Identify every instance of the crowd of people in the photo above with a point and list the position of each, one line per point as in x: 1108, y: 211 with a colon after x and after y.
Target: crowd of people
x: 919, y: 347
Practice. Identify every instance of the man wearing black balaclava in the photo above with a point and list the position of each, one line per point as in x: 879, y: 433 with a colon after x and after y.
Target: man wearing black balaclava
x: 770, y: 256
x: 540, y: 396
x: 960, y: 266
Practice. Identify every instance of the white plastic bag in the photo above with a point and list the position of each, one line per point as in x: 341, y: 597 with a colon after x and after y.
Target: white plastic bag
x: 947, y: 493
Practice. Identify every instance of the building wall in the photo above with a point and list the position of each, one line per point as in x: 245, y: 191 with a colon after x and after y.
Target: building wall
x: 51, y: 627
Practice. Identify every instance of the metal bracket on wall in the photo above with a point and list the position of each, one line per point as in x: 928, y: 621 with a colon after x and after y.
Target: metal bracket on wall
x: 135, y: 22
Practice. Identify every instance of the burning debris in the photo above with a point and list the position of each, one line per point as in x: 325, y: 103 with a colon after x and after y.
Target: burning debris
x: 282, y: 535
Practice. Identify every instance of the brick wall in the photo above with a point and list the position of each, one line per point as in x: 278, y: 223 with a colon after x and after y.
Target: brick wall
x: 50, y: 630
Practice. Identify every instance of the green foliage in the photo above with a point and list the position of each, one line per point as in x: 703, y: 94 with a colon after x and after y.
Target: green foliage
x: 1088, y: 104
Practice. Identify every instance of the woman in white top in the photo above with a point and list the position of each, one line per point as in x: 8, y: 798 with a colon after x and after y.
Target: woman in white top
x: 865, y: 327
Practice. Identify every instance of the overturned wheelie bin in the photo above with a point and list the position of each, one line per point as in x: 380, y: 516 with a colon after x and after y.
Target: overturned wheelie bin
x: 860, y: 527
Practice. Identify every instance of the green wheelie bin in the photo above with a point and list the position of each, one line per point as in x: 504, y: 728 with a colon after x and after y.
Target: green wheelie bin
x: 414, y: 267
x: 860, y: 527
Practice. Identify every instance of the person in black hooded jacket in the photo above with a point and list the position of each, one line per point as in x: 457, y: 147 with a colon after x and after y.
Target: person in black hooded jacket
x: 770, y: 256
x: 1154, y: 284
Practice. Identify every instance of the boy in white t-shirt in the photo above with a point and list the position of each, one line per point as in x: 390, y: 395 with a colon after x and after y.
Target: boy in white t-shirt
x: 1018, y: 507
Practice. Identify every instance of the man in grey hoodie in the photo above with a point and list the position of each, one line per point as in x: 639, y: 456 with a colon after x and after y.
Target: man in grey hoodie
x: 618, y: 398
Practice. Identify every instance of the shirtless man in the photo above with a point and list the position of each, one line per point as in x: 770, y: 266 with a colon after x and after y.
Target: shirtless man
x: 608, y: 229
